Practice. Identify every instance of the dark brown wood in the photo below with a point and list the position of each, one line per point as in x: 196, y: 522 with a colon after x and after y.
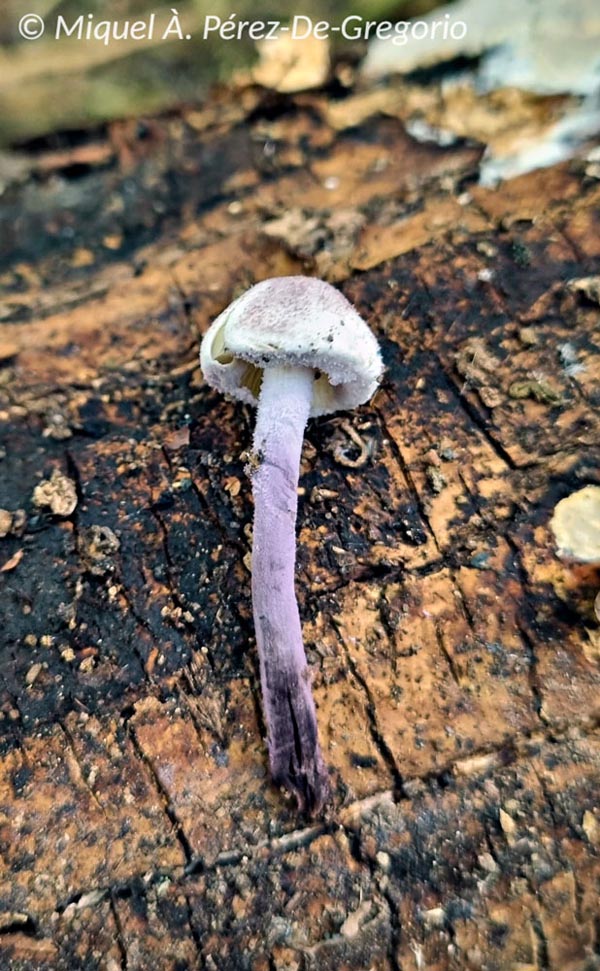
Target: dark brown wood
x: 455, y: 658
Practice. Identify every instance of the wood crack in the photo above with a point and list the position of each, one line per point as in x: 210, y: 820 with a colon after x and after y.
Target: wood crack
x: 406, y: 474
x: 376, y: 736
x: 475, y: 417
x: 170, y: 812
x: 119, y: 938
x: 80, y: 768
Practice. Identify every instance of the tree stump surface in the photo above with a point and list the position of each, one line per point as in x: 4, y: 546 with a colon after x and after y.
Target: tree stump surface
x: 455, y: 659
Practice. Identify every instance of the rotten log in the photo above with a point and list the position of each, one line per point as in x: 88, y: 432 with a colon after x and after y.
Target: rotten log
x: 454, y: 657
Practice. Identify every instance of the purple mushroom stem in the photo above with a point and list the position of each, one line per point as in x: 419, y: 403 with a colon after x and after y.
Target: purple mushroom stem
x: 294, y: 752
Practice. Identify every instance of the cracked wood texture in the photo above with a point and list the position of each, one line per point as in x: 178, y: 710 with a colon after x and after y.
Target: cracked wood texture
x: 455, y: 660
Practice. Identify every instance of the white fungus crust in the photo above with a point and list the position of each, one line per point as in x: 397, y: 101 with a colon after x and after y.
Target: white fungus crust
x: 293, y: 321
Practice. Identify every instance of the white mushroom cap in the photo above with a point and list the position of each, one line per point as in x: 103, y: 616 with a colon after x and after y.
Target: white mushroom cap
x: 576, y: 525
x: 293, y: 321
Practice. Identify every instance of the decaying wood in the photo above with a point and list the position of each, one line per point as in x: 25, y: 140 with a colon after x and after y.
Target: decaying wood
x: 455, y: 659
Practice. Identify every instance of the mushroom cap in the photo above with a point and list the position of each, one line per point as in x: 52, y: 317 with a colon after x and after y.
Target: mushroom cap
x: 576, y: 525
x: 293, y: 321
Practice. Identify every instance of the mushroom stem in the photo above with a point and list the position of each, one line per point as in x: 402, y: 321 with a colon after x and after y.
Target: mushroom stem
x: 294, y: 753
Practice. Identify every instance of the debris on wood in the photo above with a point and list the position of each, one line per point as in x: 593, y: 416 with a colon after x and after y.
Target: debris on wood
x: 58, y: 493
x: 12, y: 562
x: 289, y: 64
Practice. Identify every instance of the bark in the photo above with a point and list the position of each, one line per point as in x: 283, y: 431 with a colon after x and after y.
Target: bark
x: 455, y: 659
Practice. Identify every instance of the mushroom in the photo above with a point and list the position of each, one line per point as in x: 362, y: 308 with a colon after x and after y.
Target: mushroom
x: 295, y: 348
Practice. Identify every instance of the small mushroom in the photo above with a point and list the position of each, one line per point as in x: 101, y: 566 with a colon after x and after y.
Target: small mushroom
x: 295, y: 348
